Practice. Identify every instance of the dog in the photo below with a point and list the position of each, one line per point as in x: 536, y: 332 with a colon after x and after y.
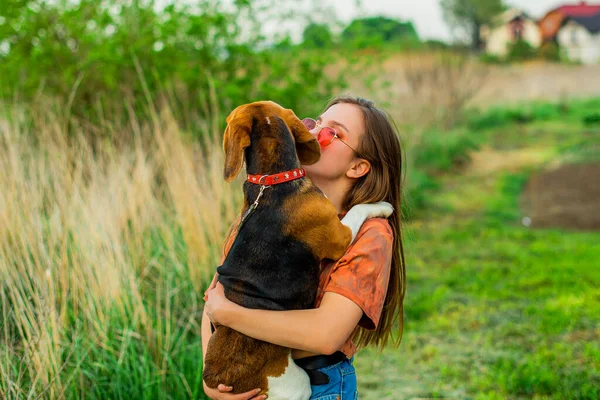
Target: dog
x: 287, y: 228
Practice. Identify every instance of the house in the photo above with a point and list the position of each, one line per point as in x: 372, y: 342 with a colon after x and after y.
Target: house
x: 509, y: 27
x: 554, y: 19
x: 579, y: 38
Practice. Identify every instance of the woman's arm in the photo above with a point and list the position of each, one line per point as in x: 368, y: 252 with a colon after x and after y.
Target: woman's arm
x: 321, y: 330
x: 206, y: 334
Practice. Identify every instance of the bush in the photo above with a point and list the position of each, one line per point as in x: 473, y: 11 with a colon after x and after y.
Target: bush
x: 499, y: 116
x: 549, y: 52
x: 376, y: 32
x: 317, y: 36
x: 592, y: 118
x: 441, y: 151
x: 521, y: 50
x: 491, y: 59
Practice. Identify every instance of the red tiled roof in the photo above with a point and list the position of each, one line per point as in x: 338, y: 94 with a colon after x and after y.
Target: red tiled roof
x: 580, y: 10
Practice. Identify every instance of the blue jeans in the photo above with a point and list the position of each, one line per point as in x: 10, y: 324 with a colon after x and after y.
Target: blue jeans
x: 342, y: 383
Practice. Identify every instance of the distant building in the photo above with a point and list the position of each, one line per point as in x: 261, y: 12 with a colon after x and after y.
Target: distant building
x: 579, y: 38
x: 554, y: 19
x: 508, y: 27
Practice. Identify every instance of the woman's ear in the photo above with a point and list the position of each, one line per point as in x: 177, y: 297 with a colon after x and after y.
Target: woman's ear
x: 307, y: 146
x: 358, y: 169
x: 235, y: 140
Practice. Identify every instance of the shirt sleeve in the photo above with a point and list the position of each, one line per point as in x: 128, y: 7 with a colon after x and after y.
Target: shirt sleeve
x: 362, y: 274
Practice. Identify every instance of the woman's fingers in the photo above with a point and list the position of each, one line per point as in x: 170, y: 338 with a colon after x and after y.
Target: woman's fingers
x: 250, y: 395
x: 261, y: 397
x: 224, y: 388
x: 212, y: 285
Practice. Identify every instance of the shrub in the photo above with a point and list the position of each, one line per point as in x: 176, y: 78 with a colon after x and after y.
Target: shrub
x: 500, y: 116
x: 520, y: 50
x: 440, y: 151
x: 592, y: 118
x: 487, y: 58
x: 549, y: 52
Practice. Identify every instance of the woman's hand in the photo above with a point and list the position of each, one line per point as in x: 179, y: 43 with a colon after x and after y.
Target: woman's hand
x: 217, y: 306
x: 222, y: 393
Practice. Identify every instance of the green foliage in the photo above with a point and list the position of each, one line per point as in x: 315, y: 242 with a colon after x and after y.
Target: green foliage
x: 98, y: 55
x: 441, y: 151
x: 487, y: 58
x: 505, y: 207
x: 501, y: 116
x: 549, y: 52
x: 437, y: 153
x: 434, y: 44
x: 521, y: 50
x: 317, y: 36
x: 592, y: 118
x: 376, y: 31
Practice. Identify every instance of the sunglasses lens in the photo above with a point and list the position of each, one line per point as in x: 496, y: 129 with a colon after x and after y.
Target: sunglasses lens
x: 309, y: 123
x: 326, y: 136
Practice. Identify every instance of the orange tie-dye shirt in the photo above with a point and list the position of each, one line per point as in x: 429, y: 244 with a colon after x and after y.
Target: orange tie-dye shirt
x: 361, y: 275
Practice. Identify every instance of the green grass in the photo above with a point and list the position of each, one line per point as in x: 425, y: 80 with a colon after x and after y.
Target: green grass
x: 494, y: 309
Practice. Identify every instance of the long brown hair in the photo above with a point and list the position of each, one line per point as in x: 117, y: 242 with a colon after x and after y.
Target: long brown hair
x: 380, y: 145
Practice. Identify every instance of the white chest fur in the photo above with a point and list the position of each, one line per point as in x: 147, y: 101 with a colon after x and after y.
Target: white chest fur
x: 292, y: 385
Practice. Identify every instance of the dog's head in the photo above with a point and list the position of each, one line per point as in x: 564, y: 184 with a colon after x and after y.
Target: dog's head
x: 239, y: 126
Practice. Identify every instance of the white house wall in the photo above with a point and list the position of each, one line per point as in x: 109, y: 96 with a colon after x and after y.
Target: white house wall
x: 500, y: 38
x: 579, y: 44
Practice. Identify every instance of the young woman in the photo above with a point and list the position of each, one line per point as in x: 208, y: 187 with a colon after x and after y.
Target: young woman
x: 360, y: 296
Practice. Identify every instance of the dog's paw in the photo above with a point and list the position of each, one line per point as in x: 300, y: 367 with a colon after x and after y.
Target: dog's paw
x: 383, y: 209
x: 361, y: 212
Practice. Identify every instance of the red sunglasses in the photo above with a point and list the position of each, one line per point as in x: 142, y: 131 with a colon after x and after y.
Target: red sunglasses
x: 326, y: 134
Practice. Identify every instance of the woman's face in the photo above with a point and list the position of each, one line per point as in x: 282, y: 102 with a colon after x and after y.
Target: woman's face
x: 347, y: 119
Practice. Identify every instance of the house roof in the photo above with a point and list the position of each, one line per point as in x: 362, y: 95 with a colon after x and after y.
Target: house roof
x: 582, y: 9
x: 591, y: 23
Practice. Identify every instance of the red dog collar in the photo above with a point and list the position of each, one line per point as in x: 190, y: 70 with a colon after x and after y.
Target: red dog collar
x: 282, y: 177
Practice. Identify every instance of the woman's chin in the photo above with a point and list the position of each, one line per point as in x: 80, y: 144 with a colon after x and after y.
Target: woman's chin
x: 311, y: 170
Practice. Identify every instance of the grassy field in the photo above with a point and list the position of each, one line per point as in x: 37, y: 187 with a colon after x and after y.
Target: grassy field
x: 106, y: 247
x: 105, y: 252
x: 495, y: 309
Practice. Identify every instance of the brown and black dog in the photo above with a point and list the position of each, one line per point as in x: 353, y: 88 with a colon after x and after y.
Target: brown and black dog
x: 287, y: 229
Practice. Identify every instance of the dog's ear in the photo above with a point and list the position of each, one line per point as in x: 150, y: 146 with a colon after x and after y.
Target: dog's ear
x: 307, y: 146
x: 235, y: 140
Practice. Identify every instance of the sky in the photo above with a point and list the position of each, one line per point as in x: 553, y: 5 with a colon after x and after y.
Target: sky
x: 426, y: 15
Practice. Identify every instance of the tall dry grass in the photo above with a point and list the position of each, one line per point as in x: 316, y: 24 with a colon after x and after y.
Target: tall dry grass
x: 106, y: 247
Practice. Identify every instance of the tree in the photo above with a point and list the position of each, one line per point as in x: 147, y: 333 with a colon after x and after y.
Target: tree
x: 373, y: 31
x: 317, y: 36
x: 471, y: 15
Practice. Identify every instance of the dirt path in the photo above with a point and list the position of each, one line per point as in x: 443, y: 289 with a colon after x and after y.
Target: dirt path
x: 564, y: 197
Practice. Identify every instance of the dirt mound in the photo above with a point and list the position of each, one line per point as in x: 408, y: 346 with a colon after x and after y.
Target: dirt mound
x: 565, y: 197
